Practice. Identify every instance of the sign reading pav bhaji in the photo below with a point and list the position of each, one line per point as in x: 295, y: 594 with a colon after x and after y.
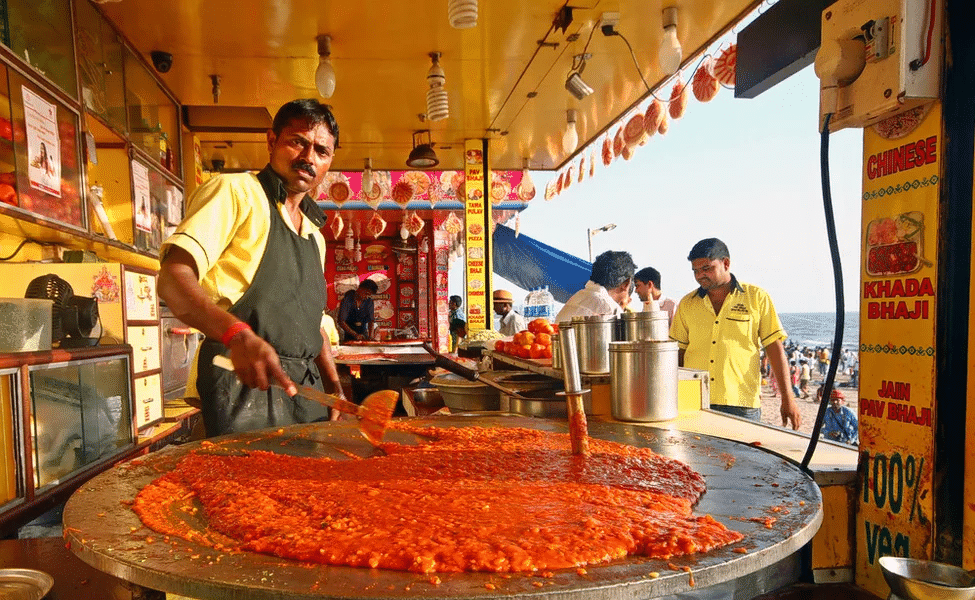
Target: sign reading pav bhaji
x: 901, y: 183
x: 477, y: 213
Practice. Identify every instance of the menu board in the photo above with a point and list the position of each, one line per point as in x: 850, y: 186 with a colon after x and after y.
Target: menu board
x: 898, y: 297
x: 477, y: 217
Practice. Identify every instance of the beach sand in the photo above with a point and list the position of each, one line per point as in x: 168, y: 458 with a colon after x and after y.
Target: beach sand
x: 808, y: 407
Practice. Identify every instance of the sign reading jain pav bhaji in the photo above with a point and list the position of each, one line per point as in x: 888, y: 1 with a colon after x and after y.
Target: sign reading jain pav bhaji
x: 902, y: 174
x: 477, y: 214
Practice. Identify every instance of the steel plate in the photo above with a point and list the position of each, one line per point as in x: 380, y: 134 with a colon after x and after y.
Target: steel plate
x: 24, y: 584
x: 745, y: 486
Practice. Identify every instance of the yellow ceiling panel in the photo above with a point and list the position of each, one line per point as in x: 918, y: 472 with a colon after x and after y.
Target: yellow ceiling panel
x: 505, y: 77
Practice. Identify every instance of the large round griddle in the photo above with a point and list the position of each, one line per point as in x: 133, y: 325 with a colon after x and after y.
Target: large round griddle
x: 745, y: 485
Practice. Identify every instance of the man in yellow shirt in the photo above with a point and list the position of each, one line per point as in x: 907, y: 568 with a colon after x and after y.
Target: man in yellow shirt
x: 246, y: 267
x: 721, y: 327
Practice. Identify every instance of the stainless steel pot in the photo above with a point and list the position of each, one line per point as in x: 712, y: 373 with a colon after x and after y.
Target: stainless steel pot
x: 647, y: 325
x: 545, y: 403
x: 459, y: 394
x: 523, y: 382
x: 643, y: 380
x: 593, y: 336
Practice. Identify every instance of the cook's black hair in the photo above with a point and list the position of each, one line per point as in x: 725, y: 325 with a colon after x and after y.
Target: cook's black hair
x: 648, y: 274
x: 710, y: 248
x: 457, y: 300
x: 310, y: 111
x: 370, y: 285
x: 612, y: 268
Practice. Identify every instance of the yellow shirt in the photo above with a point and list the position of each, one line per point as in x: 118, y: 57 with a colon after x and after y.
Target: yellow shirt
x: 727, y: 344
x: 331, y: 331
x: 225, y: 230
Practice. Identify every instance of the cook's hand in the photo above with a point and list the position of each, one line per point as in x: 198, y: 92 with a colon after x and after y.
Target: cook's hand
x: 790, y: 411
x: 256, y: 363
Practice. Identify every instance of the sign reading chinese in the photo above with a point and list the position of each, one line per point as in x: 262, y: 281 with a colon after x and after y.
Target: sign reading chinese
x: 901, y: 180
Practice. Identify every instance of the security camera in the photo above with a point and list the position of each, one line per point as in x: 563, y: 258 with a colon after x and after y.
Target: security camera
x: 163, y: 61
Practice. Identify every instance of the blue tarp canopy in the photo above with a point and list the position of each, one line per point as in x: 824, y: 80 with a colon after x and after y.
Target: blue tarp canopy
x: 529, y: 263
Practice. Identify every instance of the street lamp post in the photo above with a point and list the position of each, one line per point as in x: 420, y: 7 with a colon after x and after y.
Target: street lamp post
x: 593, y: 232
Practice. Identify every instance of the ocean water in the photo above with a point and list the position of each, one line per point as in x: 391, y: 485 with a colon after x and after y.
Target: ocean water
x: 817, y: 329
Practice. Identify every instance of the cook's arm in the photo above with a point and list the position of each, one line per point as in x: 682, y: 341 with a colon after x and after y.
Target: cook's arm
x: 255, y: 361
x: 780, y: 370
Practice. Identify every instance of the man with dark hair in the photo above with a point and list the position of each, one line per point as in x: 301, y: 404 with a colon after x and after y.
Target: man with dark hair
x: 609, y: 284
x: 246, y: 267
x: 722, y: 326
x: 647, y: 282
x: 455, y: 319
x: 357, y: 313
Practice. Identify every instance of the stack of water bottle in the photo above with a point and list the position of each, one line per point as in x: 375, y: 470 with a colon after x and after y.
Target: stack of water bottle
x: 539, y: 303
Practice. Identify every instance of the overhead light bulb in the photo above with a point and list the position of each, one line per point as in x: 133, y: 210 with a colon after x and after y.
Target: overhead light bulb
x: 357, y: 256
x: 462, y: 13
x: 670, y: 53
x: 404, y: 233
x: 438, y: 107
x: 570, y: 139
x: 368, y: 181
x: 325, y: 74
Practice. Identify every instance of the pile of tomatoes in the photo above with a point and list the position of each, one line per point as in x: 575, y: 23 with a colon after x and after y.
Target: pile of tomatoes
x: 534, y: 342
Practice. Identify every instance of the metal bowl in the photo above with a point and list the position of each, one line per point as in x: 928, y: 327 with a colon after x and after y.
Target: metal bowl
x: 913, y: 579
x: 460, y: 394
x: 545, y: 403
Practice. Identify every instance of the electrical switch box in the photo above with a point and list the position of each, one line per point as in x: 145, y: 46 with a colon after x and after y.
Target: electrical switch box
x: 902, y: 62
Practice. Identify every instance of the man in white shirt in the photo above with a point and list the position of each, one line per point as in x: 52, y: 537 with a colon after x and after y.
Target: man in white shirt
x: 511, y: 321
x: 647, y: 282
x: 610, y: 282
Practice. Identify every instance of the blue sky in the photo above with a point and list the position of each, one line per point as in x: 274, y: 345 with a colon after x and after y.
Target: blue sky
x: 746, y: 171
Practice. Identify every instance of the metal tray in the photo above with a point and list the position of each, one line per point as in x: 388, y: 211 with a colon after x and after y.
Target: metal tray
x: 746, y: 486
x: 24, y: 584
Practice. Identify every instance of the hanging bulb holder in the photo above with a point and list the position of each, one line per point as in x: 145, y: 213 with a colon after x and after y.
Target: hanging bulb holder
x: 670, y: 17
x: 422, y: 156
x: 215, y: 82
x: 325, y: 73
x: 436, y: 75
x: 368, y: 179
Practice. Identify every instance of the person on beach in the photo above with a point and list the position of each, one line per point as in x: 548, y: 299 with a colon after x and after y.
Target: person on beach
x: 804, y: 376
x: 722, y: 326
x: 839, y: 424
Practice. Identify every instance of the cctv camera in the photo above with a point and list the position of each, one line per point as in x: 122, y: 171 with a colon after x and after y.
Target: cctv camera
x: 163, y: 61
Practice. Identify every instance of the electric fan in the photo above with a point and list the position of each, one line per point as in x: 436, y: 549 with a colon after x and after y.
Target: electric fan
x: 72, y: 318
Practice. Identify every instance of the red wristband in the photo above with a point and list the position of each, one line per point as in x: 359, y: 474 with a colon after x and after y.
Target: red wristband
x: 232, y: 331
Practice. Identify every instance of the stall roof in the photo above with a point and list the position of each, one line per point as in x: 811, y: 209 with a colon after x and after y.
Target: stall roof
x: 505, y: 77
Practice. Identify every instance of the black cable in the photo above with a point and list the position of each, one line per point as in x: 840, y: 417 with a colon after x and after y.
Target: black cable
x: 17, y: 249
x: 640, y: 72
x: 834, y: 253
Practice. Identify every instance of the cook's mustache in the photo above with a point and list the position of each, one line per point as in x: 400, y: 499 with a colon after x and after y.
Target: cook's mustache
x: 304, y: 166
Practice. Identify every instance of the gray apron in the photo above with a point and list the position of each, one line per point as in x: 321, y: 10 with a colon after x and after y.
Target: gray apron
x: 283, y: 305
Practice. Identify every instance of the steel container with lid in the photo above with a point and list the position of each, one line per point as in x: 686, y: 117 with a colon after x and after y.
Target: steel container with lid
x: 646, y: 325
x: 556, y: 352
x: 643, y: 380
x: 593, y: 336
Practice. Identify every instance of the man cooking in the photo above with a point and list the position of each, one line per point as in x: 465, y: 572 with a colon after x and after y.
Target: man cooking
x: 511, y: 321
x: 357, y: 312
x: 245, y: 267
x: 610, y: 282
x: 720, y: 328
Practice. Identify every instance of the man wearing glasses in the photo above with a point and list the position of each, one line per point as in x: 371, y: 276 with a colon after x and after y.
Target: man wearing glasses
x: 722, y: 326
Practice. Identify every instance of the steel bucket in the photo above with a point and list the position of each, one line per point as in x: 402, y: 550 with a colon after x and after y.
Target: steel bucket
x: 593, y: 337
x: 646, y: 325
x: 643, y: 380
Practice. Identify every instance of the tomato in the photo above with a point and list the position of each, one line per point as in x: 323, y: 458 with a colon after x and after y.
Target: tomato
x: 8, y: 194
x: 543, y: 339
x: 548, y: 352
x: 9, y: 178
x: 555, y: 327
x: 499, y: 346
x: 510, y: 348
x: 524, y: 338
x: 537, y: 325
x: 525, y: 351
x: 548, y: 328
x: 6, y: 129
x: 537, y: 351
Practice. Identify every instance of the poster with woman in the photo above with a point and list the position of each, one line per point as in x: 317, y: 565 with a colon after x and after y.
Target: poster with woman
x: 43, y: 146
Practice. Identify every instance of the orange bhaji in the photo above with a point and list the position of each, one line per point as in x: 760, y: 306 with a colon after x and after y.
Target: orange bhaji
x: 472, y: 499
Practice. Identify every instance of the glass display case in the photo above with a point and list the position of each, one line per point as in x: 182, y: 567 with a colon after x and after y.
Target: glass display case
x: 100, y: 67
x: 155, y: 206
x: 108, y: 175
x: 40, y: 34
x: 10, y: 442
x: 45, y: 139
x: 81, y: 414
x: 153, y: 115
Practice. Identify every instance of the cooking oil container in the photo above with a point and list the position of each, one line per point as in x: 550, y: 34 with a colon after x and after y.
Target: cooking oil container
x: 643, y: 380
x: 593, y: 335
x: 646, y: 325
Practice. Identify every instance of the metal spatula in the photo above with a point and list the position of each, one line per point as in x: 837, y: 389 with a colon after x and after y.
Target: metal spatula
x: 373, y: 413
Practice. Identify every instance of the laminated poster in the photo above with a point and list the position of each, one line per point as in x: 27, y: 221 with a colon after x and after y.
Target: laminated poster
x: 143, y: 205
x: 43, y: 145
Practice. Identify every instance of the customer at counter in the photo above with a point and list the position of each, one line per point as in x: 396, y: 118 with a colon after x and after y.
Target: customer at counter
x: 720, y: 328
x: 610, y: 283
x: 647, y: 282
x: 511, y: 321
x: 245, y: 268
x: 357, y: 313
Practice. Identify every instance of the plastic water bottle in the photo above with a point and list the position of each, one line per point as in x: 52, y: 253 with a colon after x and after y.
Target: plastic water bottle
x: 545, y: 305
x: 530, y: 300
